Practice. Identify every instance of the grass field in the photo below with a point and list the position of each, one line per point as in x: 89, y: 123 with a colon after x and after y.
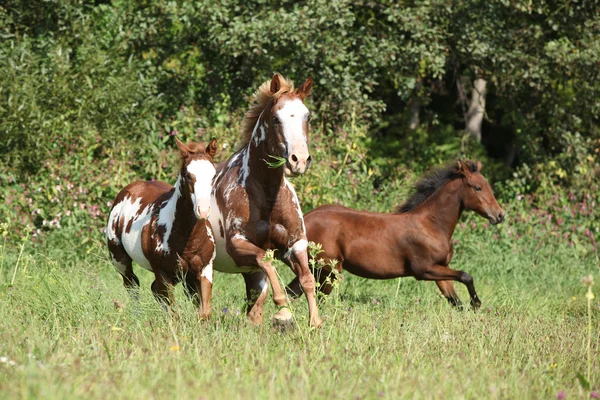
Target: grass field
x: 69, y: 330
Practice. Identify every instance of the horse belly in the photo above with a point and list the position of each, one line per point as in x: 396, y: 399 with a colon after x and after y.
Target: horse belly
x: 223, y: 261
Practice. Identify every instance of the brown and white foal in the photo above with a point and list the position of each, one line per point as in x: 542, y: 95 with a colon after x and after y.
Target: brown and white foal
x: 254, y: 208
x: 165, y: 229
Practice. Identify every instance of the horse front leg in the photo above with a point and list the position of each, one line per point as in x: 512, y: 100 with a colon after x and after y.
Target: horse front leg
x: 256, y: 294
x: 442, y: 273
x: 298, y: 259
x: 245, y: 253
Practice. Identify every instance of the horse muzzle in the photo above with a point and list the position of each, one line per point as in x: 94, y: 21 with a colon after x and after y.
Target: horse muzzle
x: 297, y: 165
x: 202, y: 213
x: 497, y: 218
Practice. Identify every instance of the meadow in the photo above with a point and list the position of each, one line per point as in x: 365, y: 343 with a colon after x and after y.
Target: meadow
x: 70, y: 330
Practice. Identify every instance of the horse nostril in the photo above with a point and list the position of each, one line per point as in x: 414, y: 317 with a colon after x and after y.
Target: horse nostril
x: 309, y: 159
x: 294, y: 158
x: 500, y: 217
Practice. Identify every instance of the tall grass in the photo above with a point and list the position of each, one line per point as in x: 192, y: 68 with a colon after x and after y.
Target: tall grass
x: 70, y: 330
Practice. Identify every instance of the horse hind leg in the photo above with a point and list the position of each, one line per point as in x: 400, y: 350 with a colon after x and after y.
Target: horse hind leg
x: 123, y: 265
x: 447, y: 289
x: 162, y: 288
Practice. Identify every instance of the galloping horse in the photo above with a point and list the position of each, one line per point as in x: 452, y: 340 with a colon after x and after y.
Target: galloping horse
x: 254, y: 207
x: 415, y: 241
x: 165, y: 229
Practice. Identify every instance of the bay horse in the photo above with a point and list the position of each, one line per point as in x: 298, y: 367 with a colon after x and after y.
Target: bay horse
x: 165, y: 229
x: 414, y: 241
x: 255, y: 208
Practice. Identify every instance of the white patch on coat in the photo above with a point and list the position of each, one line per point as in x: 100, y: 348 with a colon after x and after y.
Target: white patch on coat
x: 245, y: 168
x: 113, y: 219
x: 233, y: 160
x: 300, y: 246
x: 292, y: 116
x: 257, y: 138
x: 207, y: 271
x: 166, y: 217
x: 204, y: 172
x: 121, y: 268
x: 132, y: 240
x: 232, y: 185
x: 296, y: 203
x: 263, y: 284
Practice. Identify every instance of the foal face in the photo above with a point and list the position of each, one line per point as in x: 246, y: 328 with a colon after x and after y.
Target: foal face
x: 478, y: 194
x: 289, y: 126
x: 197, y: 172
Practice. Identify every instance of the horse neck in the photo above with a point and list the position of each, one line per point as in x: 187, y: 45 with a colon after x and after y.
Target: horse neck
x: 445, y: 207
x: 267, y: 181
x: 179, y: 209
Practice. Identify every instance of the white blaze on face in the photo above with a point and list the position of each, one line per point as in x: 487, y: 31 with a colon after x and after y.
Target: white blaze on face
x: 204, y: 172
x: 292, y: 116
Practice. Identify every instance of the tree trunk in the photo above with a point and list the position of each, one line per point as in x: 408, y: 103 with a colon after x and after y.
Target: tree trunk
x: 415, y: 113
x: 476, y: 109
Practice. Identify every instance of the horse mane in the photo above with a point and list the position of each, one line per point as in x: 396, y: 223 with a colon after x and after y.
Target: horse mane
x: 259, y: 101
x: 430, y: 184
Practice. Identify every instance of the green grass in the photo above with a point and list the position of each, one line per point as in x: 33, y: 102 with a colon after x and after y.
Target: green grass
x: 382, y: 339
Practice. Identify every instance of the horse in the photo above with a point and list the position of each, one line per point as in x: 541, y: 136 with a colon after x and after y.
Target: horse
x: 165, y: 229
x: 255, y: 208
x: 415, y: 241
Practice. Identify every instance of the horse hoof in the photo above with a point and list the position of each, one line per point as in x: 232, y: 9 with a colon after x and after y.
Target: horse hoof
x: 283, y: 317
x: 475, y: 305
x: 317, y: 323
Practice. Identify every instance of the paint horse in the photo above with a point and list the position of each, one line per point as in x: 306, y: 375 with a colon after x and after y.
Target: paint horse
x: 165, y: 229
x: 415, y: 241
x: 255, y: 208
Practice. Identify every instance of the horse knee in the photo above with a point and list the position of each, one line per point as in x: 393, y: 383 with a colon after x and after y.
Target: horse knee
x: 307, y: 282
x: 466, y: 278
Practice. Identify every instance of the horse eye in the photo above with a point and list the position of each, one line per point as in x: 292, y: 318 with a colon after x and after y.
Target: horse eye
x: 276, y: 120
x: 477, y: 188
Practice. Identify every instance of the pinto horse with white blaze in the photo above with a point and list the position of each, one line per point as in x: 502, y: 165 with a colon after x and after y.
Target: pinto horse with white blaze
x: 255, y: 208
x: 165, y: 229
x: 415, y: 241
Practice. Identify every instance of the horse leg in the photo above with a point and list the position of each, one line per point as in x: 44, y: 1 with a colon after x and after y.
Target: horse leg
x: 443, y: 273
x: 122, y: 263
x: 162, y: 287
x: 447, y: 289
x: 199, y: 289
x: 206, y: 282
x: 245, y: 253
x: 293, y: 289
x: 325, y: 276
x: 299, y: 263
x: 256, y: 294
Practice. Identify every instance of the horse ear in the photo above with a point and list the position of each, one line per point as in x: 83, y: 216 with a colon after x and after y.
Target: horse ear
x: 305, y: 89
x: 211, y: 149
x: 183, y: 149
x: 478, y: 166
x: 460, y: 166
x: 463, y: 168
x: 275, y: 83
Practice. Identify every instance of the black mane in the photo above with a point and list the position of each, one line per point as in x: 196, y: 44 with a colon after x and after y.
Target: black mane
x: 429, y: 184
